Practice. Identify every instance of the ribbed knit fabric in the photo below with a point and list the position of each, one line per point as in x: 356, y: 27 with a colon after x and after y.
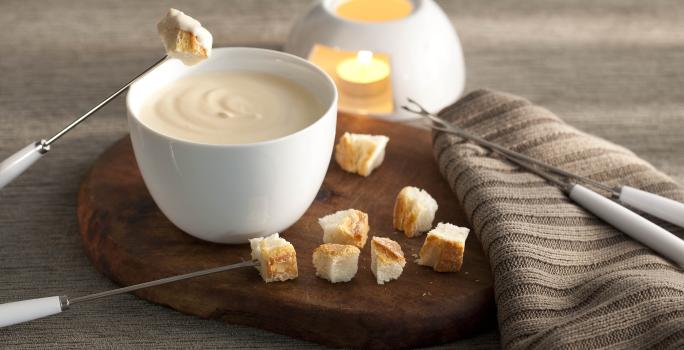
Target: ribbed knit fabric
x: 563, y: 278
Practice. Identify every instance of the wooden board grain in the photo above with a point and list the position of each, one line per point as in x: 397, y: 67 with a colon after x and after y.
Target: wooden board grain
x: 130, y: 241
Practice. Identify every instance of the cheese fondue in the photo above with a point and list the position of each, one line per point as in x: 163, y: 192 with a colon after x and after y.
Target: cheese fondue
x: 230, y: 107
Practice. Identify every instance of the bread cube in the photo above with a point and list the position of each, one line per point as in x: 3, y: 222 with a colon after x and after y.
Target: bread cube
x: 276, y: 257
x: 443, y: 248
x: 184, y: 37
x: 360, y: 153
x: 336, y: 262
x: 345, y: 227
x: 414, y: 211
x: 387, y: 259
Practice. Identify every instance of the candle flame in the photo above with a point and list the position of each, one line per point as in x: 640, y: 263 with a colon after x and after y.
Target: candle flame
x: 364, y: 56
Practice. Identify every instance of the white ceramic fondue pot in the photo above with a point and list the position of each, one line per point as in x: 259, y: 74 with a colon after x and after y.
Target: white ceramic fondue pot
x: 231, y: 193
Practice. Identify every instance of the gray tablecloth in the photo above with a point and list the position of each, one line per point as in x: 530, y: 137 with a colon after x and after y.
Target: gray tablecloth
x: 611, y: 68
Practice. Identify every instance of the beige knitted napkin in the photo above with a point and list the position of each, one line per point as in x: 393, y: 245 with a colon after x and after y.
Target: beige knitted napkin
x: 563, y: 278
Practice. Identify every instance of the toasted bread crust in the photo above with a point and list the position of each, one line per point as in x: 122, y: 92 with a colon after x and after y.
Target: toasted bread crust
x: 336, y: 250
x: 443, y: 248
x: 414, y: 211
x: 450, y: 260
x: 405, y: 217
x: 277, y: 258
x: 336, y: 262
x: 356, y: 228
x: 360, y: 153
x: 281, y: 264
x: 450, y: 256
x: 365, y: 160
x: 187, y: 42
x: 351, y: 229
x: 388, y: 251
x: 345, y: 155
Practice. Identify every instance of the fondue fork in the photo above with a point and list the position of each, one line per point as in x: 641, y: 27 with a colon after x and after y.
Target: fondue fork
x: 17, y: 163
x: 627, y: 221
x: 651, y: 203
x: 27, y: 310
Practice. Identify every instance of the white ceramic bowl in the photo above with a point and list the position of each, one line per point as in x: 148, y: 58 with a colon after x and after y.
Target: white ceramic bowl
x: 231, y: 193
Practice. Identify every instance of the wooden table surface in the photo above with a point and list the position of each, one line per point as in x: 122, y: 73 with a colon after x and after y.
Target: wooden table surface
x: 612, y: 68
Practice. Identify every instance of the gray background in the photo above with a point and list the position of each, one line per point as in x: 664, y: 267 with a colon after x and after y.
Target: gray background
x: 613, y: 68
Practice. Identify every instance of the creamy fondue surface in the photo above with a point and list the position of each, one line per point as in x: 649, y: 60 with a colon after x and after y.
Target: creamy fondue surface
x: 230, y: 107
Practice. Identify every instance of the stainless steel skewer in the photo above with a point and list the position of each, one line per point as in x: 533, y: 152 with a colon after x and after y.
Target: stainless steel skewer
x: 627, y: 221
x: 17, y: 163
x: 651, y: 203
x: 27, y: 310
x: 502, y: 150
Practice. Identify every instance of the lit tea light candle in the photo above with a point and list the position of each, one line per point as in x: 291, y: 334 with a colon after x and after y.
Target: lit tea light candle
x: 363, y: 75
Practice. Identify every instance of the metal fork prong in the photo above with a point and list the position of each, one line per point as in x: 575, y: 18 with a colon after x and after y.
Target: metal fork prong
x: 420, y: 109
x: 424, y: 113
x: 444, y: 126
x: 411, y: 110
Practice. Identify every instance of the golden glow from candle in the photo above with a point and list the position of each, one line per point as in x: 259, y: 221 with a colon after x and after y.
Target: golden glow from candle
x: 355, y: 95
x: 364, y: 69
x: 374, y: 10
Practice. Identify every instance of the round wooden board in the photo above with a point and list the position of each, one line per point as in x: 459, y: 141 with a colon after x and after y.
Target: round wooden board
x: 130, y: 241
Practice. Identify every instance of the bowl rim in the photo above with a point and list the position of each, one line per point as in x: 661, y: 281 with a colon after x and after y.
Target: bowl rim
x: 330, y: 109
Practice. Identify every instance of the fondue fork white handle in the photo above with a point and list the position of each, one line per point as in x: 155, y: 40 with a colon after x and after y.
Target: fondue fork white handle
x: 17, y: 163
x: 32, y: 309
x: 658, y: 206
x: 631, y: 223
